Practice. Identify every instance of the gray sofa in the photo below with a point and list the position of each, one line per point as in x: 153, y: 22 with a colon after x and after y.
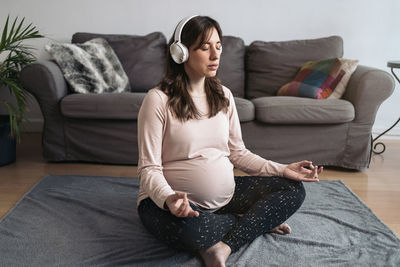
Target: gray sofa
x: 102, y: 128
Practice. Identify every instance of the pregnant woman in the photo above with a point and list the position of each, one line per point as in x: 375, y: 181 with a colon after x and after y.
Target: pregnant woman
x: 189, y: 143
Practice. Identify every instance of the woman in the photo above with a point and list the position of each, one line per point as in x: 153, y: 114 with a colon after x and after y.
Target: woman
x: 190, y: 141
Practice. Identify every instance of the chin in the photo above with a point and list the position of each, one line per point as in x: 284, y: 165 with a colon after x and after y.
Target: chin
x: 210, y: 74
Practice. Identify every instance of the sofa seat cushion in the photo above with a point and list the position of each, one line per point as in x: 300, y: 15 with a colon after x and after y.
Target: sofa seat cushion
x: 245, y: 109
x: 123, y: 106
x: 299, y: 110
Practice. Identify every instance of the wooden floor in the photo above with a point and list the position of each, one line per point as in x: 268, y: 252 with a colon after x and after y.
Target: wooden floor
x: 378, y: 186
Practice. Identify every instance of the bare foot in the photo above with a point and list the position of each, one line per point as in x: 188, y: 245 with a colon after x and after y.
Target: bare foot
x: 282, y: 229
x: 216, y: 255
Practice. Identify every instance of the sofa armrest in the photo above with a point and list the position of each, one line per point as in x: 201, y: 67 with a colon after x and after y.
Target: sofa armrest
x: 46, y: 82
x: 367, y: 88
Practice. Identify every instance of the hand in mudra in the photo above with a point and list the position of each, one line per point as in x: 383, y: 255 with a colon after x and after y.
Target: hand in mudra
x: 178, y: 205
x: 297, y: 172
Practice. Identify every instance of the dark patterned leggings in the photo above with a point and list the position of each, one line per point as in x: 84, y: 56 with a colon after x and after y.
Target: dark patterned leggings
x: 266, y: 202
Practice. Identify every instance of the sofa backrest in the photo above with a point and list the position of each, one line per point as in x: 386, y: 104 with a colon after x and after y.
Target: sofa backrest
x: 269, y: 65
x: 142, y: 57
x: 257, y: 70
x: 231, y: 70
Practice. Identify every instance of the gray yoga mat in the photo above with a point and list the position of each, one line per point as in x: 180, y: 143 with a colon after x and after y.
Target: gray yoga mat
x: 75, y: 220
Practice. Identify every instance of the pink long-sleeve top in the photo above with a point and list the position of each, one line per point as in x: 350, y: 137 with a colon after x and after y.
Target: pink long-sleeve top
x: 196, y: 156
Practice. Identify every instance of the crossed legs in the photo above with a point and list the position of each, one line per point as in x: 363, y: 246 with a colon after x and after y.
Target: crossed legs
x: 265, y: 203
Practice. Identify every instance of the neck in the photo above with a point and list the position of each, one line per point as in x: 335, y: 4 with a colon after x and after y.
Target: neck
x: 196, y: 82
x: 196, y: 87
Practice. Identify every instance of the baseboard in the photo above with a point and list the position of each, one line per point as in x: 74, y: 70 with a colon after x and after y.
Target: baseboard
x: 392, y: 134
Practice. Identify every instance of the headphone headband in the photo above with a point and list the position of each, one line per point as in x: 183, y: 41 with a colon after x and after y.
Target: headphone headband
x: 180, y: 26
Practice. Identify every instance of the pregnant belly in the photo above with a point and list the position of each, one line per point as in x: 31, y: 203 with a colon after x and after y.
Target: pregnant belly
x: 209, y: 183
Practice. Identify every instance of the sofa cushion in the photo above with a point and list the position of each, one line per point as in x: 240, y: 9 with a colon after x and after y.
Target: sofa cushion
x: 143, y: 57
x: 321, y: 79
x: 231, y: 70
x: 298, y: 110
x: 245, y: 109
x: 269, y: 65
x: 124, y: 106
x: 90, y: 67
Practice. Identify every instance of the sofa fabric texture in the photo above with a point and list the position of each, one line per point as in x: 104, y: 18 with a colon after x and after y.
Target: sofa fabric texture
x: 273, y: 64
x: 143, y: 57
x: 321, y: 79
x: 124, y: 106
x: 298, y: 110
x: 103, y: 127
x: 91, y: 67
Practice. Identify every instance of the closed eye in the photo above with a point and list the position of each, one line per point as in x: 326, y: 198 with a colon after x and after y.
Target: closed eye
x: 205, y: 48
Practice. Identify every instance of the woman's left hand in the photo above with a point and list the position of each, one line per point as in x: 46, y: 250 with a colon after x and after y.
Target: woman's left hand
x: 297, y: 172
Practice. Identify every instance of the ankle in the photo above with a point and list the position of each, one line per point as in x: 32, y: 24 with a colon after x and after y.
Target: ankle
x: 225, y: 247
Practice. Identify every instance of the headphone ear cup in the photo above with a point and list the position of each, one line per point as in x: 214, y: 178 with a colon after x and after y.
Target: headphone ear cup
x: 179, y: 52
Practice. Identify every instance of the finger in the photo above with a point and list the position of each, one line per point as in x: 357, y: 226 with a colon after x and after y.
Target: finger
x: 181, y: 194
x: 186, y: 207
x: 185, y: 213
x: 320, y: 169
x: 306, y: 163
x: 178, y: 195
x: 315, y: 172
x: 181, y: 208
x: 306, y: 171
x: 196, y: 213
x: 188, y: 212
x: 193, y: 213
x: 307, y: 167
x: 309, y: 180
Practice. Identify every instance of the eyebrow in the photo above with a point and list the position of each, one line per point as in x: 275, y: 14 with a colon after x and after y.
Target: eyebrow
x: 210, y: 43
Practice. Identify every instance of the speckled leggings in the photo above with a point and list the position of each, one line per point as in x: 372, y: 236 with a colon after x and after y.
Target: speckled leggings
x: 266, y: 202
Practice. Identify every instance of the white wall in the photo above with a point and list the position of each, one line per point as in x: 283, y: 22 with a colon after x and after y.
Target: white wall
x: 370, y: 29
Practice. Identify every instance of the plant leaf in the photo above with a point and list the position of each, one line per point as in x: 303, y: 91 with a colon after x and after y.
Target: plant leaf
x: 4, y: 35
x: 19, y: 55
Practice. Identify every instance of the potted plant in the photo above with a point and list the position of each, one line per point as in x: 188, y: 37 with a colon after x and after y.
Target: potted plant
x: 14, y: 55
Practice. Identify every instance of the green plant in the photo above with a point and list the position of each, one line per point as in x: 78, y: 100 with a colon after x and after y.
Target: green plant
x: 16, y: 55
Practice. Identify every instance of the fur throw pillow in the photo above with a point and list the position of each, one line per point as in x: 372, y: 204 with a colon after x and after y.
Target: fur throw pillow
x: 90, y: 67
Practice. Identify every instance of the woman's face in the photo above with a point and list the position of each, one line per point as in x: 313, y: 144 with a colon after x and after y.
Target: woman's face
x: 204, y: 61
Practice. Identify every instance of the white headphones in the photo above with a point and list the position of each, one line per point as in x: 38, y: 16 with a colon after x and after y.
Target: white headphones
x: 179, y: 51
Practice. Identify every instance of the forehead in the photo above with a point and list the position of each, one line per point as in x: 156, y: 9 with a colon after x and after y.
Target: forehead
x: 213, y: 36
x: 210, y: 36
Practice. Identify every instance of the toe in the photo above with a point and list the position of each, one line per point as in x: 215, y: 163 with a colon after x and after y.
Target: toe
x: 286, y: 228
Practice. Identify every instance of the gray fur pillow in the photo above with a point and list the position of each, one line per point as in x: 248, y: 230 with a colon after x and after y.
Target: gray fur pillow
x: 90, y: 67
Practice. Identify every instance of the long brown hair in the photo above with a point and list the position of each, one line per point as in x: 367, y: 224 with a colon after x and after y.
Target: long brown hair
x: 176, y: 82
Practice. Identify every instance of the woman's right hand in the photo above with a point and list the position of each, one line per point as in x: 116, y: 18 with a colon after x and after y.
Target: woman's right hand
x: 178, y: 205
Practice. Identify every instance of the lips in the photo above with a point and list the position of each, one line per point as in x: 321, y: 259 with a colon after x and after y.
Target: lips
x: 213, y: 66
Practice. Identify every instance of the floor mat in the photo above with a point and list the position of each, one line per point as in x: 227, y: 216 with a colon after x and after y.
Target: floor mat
x: 75, y: 220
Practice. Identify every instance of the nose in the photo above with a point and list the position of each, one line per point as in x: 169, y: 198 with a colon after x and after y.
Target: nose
x: 214, y: 53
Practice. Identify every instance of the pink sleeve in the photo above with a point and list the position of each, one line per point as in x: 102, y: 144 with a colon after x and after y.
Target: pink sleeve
x: 150, y: 136
x: 241, y: 157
